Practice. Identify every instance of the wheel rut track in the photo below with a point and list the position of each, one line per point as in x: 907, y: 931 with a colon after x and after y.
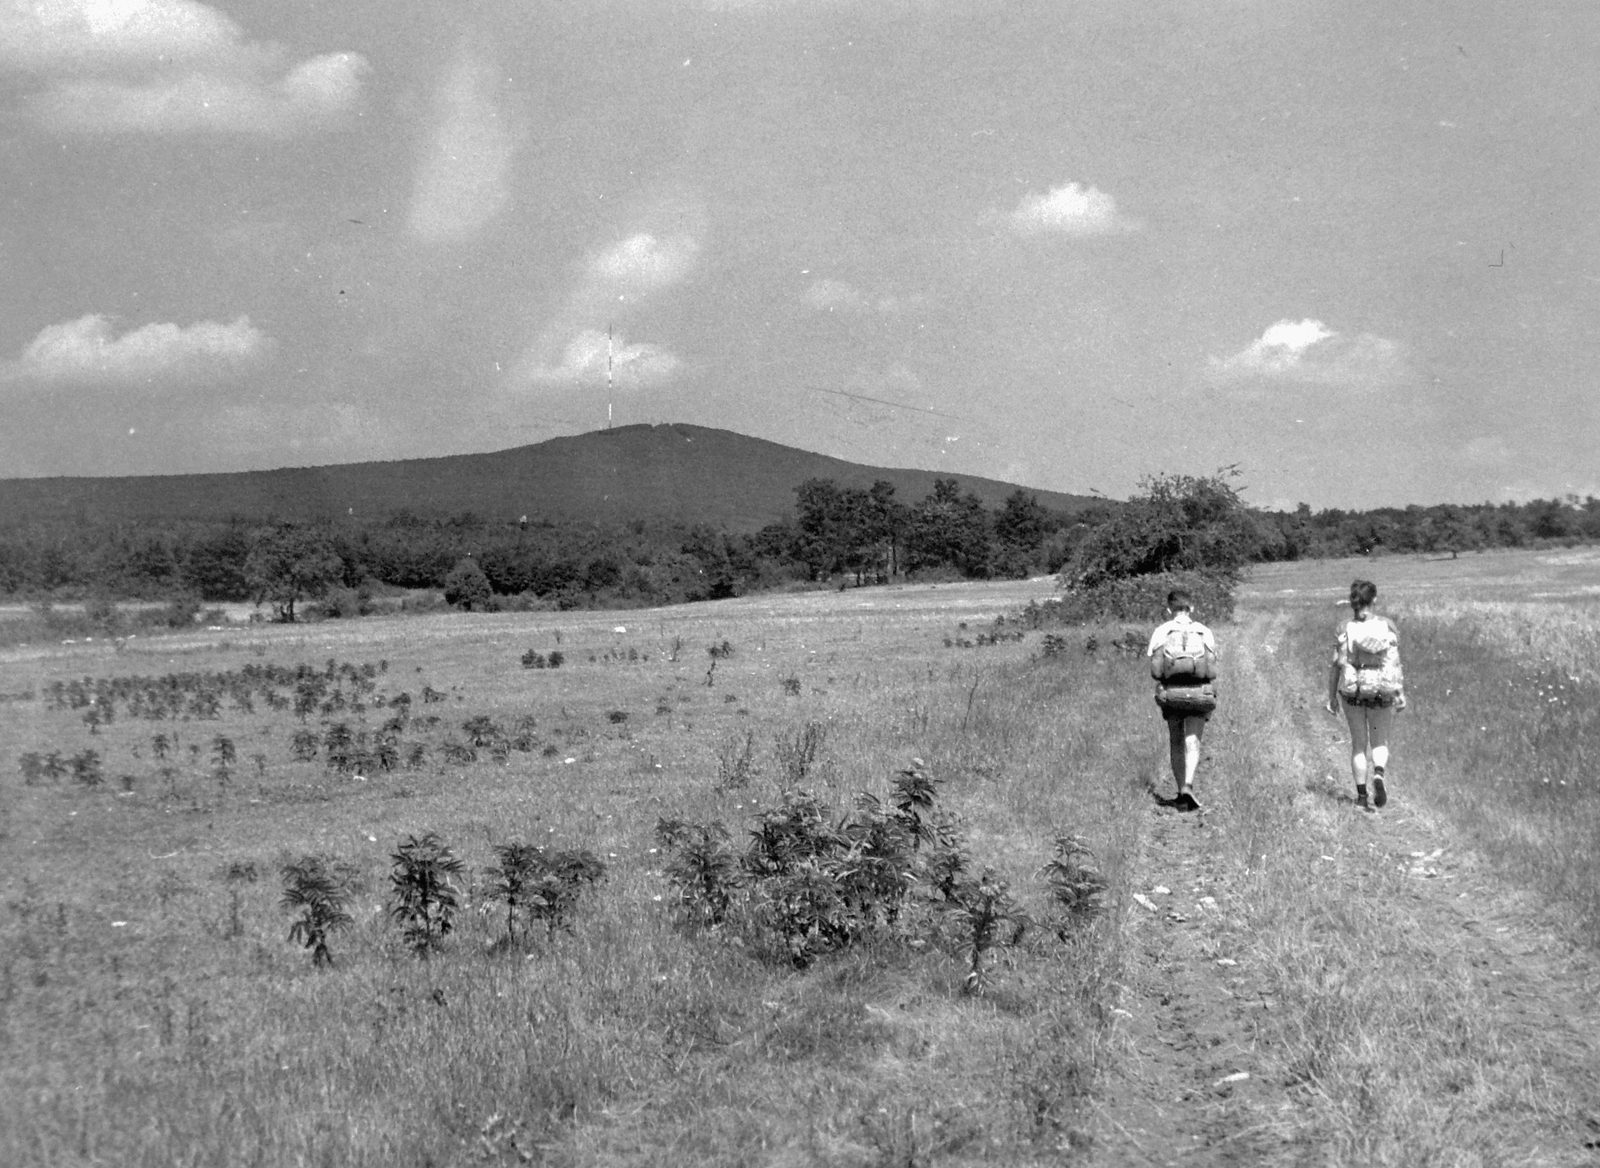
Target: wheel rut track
x: 1190, y: 1022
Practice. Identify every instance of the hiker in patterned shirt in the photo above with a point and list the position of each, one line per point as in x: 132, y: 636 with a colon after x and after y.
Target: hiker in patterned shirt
x: 1183, y: 655
x: 1366, y: 678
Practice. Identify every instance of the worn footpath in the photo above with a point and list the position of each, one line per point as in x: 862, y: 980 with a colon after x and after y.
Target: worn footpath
x: 1210, y: 1032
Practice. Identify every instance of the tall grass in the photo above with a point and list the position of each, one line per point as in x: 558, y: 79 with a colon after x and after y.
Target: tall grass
x: 1505, y: 737
x: 153, y: 1011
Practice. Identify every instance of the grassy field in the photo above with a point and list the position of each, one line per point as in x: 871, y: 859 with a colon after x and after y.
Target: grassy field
x: 152, y: 1011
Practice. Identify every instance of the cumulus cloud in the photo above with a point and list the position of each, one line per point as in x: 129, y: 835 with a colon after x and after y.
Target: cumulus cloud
x: 166, y: 66
x: 461, y: 183
x: 86, y: 351
x: 1308, y: 352
x: 1071, y: 210
x: 584, y: 362
x: 49, y: 35
x: 643, y: 263
x: 612, y: 282
x: 833, y: 295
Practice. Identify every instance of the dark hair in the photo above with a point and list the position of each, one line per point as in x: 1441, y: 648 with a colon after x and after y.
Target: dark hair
x: 1362, y: 594
x: 1179, y: 601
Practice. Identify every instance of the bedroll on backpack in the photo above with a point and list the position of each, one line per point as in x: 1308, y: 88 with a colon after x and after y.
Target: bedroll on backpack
x: 1183, y: 654
x: 1187, y: 699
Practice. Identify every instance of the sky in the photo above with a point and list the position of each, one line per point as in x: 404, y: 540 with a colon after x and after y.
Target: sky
x: 1352, y: 250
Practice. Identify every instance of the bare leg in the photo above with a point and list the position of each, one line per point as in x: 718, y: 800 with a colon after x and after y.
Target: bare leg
x: 1379, y: 719
x: 1183, y: 740
x: 1356, y: 717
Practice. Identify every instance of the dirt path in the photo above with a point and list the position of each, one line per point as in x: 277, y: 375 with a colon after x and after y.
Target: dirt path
x: 1200, y: 1029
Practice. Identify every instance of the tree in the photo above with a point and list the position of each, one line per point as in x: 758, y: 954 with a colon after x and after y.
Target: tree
x: 1179, y: 523
x: 1020, y: 528
x: 288, y: 564
x: 819, y: 518
x: 216, y: 565
x: 949, y: 528
x: 467, y: 587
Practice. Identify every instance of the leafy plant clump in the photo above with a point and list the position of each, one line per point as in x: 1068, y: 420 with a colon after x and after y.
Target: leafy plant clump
x: 425, y: 900
x: 1075, y: 883
x: 809, y: 883
x: 987, y: 918
x: 322, y: 898
x: 539, y: 885
x: 87, y: 769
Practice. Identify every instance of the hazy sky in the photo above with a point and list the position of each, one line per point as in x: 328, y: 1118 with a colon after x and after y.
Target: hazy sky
x: 1352, y: 247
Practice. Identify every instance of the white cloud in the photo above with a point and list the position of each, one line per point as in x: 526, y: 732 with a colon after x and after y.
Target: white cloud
x: 832, y: 295
x: 584, y: 362
x: 166, y: 66
x: 643, y: 263
x: 1308, y: 352
x: 461, y: 183
x: 317, y: 91
x: 52, y: 35
x: 85, y: 351
x: 613, y: 281
x: 1071, y: 210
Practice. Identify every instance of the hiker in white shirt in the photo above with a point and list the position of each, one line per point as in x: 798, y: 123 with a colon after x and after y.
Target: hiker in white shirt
x: 1186, y: 697
x: 1366, y: 678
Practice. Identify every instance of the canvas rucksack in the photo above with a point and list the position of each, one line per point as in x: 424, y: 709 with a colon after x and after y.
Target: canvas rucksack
x: 1183, y: 654
x: 1371, y: 671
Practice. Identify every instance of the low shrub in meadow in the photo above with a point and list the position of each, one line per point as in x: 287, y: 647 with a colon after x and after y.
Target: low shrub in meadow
x: 314, y: 889
x: 810, y: 883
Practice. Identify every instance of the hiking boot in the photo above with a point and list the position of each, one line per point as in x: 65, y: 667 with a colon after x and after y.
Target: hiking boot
x: 1361, y: 799
x: 1185, y: 802
x: 1379, y: 795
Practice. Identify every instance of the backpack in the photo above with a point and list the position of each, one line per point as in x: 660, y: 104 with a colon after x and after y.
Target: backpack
x: 1200, y: 698
x: 1183, y: 655
x: 1371, y: 671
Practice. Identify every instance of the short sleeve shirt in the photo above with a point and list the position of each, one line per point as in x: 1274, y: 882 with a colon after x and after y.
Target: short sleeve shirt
x: 1180, y: 622
x: 1341, y: 642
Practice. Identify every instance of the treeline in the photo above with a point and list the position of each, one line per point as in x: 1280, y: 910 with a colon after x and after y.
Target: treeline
x: 1444, y: 528
x: 836, y: 535
x: 478, y: 563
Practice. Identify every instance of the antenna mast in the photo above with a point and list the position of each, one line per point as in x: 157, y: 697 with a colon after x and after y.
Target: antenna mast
x: 608, y: 376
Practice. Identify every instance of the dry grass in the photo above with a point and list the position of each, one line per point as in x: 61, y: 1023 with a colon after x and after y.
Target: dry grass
x: 143, y: 1028
x: 1384, y: 1011
x: 172, y: 1037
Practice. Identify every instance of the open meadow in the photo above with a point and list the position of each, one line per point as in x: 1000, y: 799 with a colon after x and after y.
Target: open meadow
x: 1280, y: 979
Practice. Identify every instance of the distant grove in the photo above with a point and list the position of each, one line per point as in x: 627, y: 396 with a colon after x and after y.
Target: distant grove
x: 838, y: 535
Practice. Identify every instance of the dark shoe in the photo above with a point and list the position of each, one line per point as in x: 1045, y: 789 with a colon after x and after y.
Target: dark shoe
x: 1185, y: 802
x: 1361, y: 799
x: 1379, y: 795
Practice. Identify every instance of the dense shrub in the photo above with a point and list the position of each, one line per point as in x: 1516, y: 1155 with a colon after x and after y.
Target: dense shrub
x: 810, y: 883
x: 1181, y: 532
x: 1143, y: 599
x: 467, y: 587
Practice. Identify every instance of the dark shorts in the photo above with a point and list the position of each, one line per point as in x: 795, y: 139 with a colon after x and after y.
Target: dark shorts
x: 1178, y: 716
